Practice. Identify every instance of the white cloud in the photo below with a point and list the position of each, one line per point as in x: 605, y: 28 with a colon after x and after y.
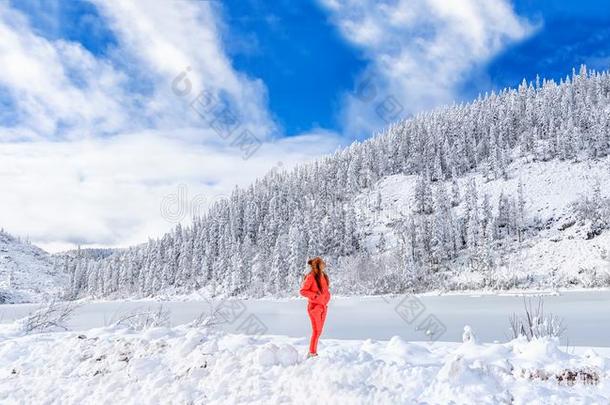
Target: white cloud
x: 62, y: 90
x: 89, y: 155
x: 40, y: 76
x: 108, y: 192
x: 420, y: 51
x: 87, y: 159
x: 164, y: 39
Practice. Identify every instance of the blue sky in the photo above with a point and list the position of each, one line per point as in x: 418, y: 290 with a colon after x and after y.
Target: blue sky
x: 571, y: 33
x: 97, y: 96
x: 300, y: 56
x: 308, y: 67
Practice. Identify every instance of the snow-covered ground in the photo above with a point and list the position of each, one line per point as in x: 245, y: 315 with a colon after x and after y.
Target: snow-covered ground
x: 190, y: 365
x: 585, y: 314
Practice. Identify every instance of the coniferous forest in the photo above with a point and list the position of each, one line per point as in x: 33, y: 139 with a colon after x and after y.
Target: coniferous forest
x: 257, y: 241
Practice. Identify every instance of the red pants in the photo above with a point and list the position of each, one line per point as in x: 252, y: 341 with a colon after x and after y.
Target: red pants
x: 317, y: 315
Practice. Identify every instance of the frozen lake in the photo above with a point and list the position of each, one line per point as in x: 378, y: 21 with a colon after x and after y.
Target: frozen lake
x: 586, y: 315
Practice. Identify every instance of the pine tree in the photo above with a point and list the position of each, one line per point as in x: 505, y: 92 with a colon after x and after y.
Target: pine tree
x: 381, y: 243
x: 455, y: 191
x: 520, y: 210
x: 472, y: 221
x: 423, y: 195
x: 287, y: 216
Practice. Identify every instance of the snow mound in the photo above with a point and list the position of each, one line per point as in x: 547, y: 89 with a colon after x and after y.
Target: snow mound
x: 271, y: 355
x: 267, y: 355
x: 185, y: 364
x: 287, y: 355
x: 469, y: 382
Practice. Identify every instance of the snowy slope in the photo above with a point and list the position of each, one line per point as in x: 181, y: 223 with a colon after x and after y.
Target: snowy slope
x: 188, y: 365
x: 26, y: 272
x: 557, y: 254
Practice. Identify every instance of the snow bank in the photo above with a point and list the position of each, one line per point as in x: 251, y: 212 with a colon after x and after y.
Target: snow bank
x: 189, y: 365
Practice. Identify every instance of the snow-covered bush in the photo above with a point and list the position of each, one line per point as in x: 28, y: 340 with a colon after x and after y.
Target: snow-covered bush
x: 51, y: 316
x: 534, y: 323
x: 145, y: 318
x: 594, y: 211
x: 387, y: 273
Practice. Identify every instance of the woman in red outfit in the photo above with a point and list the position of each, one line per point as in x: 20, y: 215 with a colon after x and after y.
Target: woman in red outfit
x: 315, y: 288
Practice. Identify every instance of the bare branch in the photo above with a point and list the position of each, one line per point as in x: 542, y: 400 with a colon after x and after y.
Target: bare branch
x: 51, y: 316
x: 145, y: 318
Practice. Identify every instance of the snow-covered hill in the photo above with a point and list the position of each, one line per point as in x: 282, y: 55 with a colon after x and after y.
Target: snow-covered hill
x: 27, y: 273
x: 560, y: 250
x: 508, y: 191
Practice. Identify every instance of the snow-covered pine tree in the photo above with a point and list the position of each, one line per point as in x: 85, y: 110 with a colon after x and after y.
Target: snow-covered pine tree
x: 253, y: 230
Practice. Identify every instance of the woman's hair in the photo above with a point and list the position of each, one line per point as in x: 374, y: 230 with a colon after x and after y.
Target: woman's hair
x: 317, y: 265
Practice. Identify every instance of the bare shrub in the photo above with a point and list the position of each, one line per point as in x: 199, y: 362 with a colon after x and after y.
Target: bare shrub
x: 206, y: 319
x: 534, y: 323
x: 145, y: 318
x: 215, y: 315
x: 51, y: 316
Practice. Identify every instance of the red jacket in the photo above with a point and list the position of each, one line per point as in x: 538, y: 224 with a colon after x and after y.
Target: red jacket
x: 310, y: 290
